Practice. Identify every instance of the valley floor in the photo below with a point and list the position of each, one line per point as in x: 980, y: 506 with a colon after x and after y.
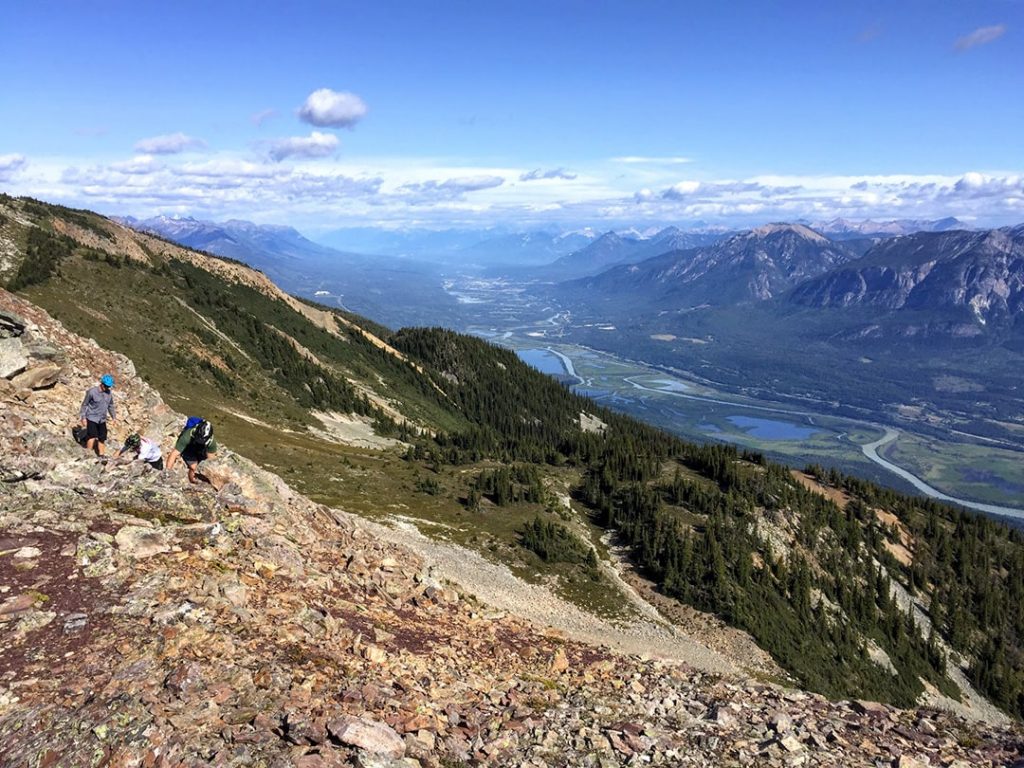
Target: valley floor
x: 697, y: 410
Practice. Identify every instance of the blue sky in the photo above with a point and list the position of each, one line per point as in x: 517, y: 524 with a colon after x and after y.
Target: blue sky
x: 476, y: 113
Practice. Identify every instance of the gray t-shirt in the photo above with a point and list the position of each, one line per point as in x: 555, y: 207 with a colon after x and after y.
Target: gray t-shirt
x: 97, y: 404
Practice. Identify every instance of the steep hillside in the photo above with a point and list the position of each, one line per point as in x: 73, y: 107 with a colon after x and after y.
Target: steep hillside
x: 213, y: 331
x: 477, y: 448
x: 974, y: 277
x: 150, y: 623
x: 393, y: 290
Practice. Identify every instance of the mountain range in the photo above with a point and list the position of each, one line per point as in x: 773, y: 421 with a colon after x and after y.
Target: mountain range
x: 978, y: 276
x: 262, y: 246
x: 398, y: 291
x: 973, y: 276
x: 847, y: 229
x: 812, y: 578
x: 462, y: 247
x: 750, y: 266
x: 612, y: 248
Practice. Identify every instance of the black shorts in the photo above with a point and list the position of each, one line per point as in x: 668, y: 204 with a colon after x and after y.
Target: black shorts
x: 192, y: 456
x: 158, y: 464
x: 96, y: 430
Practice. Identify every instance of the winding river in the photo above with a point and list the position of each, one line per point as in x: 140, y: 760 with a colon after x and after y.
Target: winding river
x: 871, y: 451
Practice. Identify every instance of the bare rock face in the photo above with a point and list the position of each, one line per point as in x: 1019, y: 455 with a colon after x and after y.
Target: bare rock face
x: 26, y: 359
x: 13, y: 359
x: 37, y: 377
x: 980, y: 274
x: 148, y: 622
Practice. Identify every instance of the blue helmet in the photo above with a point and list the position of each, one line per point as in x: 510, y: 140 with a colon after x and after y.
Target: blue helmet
x: 107, y: 380
x: 192, y: 421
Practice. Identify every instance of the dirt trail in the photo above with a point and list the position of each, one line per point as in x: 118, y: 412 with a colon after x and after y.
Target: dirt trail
x: 498, y: 587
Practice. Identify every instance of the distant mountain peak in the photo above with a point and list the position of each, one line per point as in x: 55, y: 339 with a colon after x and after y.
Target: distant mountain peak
x: 801, y: 230
x: 849, y: 228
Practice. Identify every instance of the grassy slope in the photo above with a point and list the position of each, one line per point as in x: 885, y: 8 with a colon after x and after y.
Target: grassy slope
x: 144, y: 311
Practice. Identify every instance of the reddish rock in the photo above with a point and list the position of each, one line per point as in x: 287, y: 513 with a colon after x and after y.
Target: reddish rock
x: 870, y: 708
x: 16, y: 604
x: 185, y: 680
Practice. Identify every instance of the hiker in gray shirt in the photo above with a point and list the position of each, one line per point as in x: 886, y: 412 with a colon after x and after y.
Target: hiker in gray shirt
x: 97, y: 405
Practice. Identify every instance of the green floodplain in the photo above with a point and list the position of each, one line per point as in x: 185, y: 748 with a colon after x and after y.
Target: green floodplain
x: 987, y: 476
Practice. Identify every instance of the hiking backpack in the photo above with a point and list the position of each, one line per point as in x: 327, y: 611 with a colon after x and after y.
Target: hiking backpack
x: 202, y: 434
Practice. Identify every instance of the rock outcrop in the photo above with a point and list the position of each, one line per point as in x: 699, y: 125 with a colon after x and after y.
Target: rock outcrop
x: 976, y: 274
x: 147, y: 622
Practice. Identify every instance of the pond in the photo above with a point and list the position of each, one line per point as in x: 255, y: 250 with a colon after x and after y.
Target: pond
x: 771, y: 429
x: 542, y: 360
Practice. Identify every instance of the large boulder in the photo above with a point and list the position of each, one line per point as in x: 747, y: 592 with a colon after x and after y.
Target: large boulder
x: 13, y: 359
x: 38, y: 377
x: 372, y: 737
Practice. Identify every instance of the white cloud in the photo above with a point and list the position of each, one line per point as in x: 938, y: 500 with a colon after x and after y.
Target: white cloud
x: 646, y: 160
x: 970, y: 195
x: 259, y: 118
x: 10, y: 165
x: 317, y: 144
x: 218, y: 188
x: 334, y: 109
x: 554, y: 173
x: 980, y: 36
x: 169, y: 144
x: 401, y: 191
x: 689, y: 190
x: 434, y: 190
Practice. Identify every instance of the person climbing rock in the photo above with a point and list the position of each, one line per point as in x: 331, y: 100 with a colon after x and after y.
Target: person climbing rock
x: 144, y: 449
x: 97, y: 406
x: 194, y: 445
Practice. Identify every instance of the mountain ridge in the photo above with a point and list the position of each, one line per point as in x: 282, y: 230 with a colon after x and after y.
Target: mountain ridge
x: 755, y: 265
x: 980, y: 272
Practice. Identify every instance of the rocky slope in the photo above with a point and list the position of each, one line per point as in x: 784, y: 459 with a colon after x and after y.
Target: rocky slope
x: 150, y: 623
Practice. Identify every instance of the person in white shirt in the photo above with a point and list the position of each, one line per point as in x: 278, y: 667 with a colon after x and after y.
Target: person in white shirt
x: 144, y: 449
